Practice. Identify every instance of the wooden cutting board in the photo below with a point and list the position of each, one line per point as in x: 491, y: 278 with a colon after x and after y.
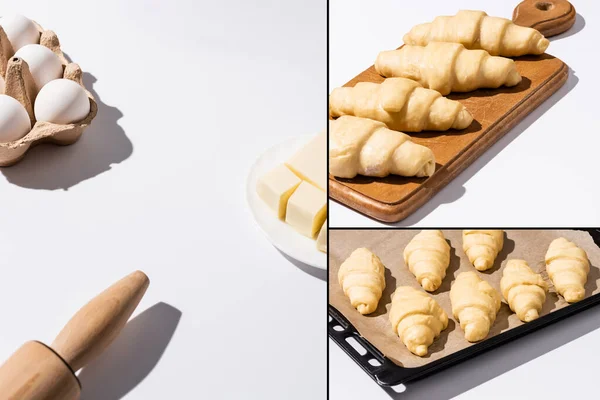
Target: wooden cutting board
x: 495, y: 112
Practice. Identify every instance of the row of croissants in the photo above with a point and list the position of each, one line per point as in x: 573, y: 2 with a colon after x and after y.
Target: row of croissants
x: 460, y: 53
x: 418, y: 319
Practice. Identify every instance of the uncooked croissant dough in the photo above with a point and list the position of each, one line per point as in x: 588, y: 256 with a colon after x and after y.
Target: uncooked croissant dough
x: 523, y: 289
x: 427, y: 256
x: 366, y: 147
x: 416, y: 318
x: 401, y: 104
x: 477, y: 30
x: 482, y: 247
x: 475, y: 304
x: 362, y: 278
x: 568, y: 267
x: 448, y: 67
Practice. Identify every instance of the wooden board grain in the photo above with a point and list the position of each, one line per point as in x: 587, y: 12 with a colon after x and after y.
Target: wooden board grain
x: 495, y: 112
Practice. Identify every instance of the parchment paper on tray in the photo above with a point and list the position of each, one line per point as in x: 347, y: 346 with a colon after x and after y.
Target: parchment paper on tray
x: 529, y: 245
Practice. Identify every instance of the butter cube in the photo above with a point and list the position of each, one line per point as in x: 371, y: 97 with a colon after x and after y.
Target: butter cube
x: 307, y: 209
x: 310, y: 162
x: 276, y: 187
x: 322, y: 239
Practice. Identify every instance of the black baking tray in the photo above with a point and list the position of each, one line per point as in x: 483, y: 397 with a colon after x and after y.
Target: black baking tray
x: 390, y: 374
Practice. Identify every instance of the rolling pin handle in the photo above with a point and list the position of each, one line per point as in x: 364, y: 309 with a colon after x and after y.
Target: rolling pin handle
x: 93, y: 328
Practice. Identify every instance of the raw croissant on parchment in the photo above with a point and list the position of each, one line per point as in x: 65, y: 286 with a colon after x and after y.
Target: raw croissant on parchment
x: 416, y: 318
x: 475, y: 304
x: 477, y: 30
x: 523, y: 289
x: 427, y: 256
x: 366, y: 147
x: 568, y: 267
x: 362, y: 278
x: 482, y: 247
x: 448, y: 67
x: 401, y: 104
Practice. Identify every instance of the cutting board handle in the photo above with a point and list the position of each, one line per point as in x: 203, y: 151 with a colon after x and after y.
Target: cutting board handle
x: 550, y: 17
x: 93, y: 328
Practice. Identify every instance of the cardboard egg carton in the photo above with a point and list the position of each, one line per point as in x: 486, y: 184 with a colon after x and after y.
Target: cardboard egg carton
x: 20, y: 85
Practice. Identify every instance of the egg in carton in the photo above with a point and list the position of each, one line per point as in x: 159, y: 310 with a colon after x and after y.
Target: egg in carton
x: 19, y: 84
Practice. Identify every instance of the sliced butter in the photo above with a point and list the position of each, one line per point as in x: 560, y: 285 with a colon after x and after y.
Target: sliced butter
x: 322, y: 239
x: 307, y: 209
x: 276, y: 187
x: 310, y: 162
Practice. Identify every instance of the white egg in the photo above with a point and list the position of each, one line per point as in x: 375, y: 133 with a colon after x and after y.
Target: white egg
x: 61, y: 101
x: 44, y: 65
x: 14, y: 120
x: 20, y: 30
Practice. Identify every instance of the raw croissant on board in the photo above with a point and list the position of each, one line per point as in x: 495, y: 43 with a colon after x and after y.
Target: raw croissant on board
x: 448, y: 67
x: 477, y: 30
x: 362, y: 278
x: 475, y: 304
x: 427, y: 256
x: 568, y: 267
x: 482, y: 247
x: 416, y: 318
x: 366, y: 147
x: 523, y: 289
x: 401, y: 104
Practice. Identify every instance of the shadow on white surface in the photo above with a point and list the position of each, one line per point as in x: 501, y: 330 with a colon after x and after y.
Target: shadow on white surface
x: 455, y: 189
x: 52, y: 167
x: 310, y: 270
x: 460, y: 378
x: 577, y: 27
x: 132, y: 356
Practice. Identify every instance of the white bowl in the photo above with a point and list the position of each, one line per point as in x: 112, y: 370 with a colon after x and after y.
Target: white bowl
x: 280, y: 234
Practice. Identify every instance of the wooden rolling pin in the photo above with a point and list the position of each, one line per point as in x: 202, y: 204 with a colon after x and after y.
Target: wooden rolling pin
x: 40, y: 372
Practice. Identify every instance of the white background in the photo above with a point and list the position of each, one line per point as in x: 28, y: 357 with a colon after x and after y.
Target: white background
x: 543, y: 173
x: 191, y: 92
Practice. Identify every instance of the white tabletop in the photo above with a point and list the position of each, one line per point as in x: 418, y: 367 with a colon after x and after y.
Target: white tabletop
x: 190, y: 93
x: 542, y: 173
x: 552, y: 175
